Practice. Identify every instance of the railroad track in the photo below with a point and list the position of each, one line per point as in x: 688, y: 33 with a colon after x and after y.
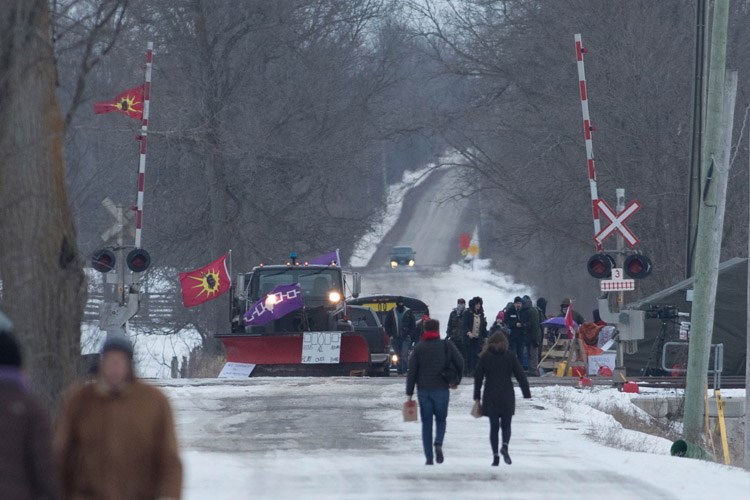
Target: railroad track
x: 733, y: 382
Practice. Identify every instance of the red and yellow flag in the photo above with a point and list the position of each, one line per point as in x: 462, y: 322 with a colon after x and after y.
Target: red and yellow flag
x: 129, y: 102
x: 206, y: 283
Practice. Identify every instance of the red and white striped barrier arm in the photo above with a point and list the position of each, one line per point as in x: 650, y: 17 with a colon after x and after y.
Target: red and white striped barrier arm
x: 587, y: 129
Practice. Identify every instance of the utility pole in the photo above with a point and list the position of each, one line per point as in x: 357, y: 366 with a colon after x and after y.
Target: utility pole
x: 699, y: 97
x: 710, y: 222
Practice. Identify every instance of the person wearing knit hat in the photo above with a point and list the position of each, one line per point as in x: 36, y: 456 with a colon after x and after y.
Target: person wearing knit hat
x: 434, y: 367
x: 577, y: 317
x: 26, y: 469
x: 124, y: 420
x: 475, y: 325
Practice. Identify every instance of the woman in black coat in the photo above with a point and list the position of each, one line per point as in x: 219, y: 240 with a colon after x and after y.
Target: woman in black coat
x: 496, y: 365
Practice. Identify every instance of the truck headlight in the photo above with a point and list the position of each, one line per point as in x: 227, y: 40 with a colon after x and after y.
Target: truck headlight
x: 334, y: 297
x: 411, y: 263
x: 394, y: 264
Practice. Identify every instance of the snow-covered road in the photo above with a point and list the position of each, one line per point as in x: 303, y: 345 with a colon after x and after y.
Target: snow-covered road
x: 344, y: 438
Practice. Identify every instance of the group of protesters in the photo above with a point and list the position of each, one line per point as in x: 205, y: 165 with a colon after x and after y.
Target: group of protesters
x: 520, y: 320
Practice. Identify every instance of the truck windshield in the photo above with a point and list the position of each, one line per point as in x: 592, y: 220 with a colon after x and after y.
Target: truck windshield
x: 316, y: 284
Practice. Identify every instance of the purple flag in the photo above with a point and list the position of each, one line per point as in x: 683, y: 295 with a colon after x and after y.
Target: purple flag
x: 278, y: 303
x: 327, y: 259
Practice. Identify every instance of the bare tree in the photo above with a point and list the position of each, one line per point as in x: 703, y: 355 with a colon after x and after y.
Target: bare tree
x: 41, y: 270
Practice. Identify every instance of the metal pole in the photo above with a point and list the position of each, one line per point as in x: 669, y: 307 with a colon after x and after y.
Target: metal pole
x: 707, y: 254
x: 120, y: 256
x: 699, y: 97
x: 143, y: 139
x: 620, y: 259
x: 587, y: 129
x: 747, y: 347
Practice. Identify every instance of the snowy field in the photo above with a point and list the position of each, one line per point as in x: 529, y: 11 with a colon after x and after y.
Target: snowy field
x: 344, y: 438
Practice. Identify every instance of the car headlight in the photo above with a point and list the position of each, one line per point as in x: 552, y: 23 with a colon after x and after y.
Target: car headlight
x: 334, y: 297
x: 411, y: 263
x: 394, y: 358
x: 394, y: 264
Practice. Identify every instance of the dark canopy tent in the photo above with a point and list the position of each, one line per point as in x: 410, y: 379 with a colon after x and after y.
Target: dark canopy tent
x: 730, y: 319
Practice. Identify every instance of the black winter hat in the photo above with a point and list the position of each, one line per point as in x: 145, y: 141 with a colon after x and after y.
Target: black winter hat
x: 118, y: 343
x: 10, y: 353
x: 518, y: 299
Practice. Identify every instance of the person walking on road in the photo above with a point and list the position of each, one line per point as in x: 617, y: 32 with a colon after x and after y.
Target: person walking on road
x: 475, y: 326
x: 401, y: 327
x: 115, y: 437
x: 427, y: 370
x: 496, y: 366
x: 26, y: 470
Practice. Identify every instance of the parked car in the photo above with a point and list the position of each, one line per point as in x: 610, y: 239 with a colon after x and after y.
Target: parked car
x: 367, y: 323
x: 402, y: 256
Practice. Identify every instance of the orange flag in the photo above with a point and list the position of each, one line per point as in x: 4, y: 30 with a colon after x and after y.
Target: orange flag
x: 129, y: 102
x: 206, y: 283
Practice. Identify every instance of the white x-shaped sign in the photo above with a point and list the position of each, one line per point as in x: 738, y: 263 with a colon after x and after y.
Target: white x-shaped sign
x: 617, y: 222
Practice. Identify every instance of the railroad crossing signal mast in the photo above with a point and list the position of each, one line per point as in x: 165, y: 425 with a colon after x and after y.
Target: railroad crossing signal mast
x: 613, y: 266
x: 118, y: 308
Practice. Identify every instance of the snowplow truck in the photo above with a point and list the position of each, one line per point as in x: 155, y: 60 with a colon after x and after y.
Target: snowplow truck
x: 315, y: 340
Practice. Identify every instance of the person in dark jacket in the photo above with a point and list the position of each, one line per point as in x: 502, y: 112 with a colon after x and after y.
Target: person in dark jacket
x: 515, y: 322
x: 496, y: 365
x: 475, y: 326
x: 26, y: 465
x: 533, y: 337
x: 455, y: 330
x: 577, y: 317
x: 429, y: 360
x: 401, y: 326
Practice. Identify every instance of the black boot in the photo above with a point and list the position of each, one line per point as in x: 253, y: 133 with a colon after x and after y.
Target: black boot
x: 506, y: 457
x: 429, y: 462
x: 496, y: 460
x: 439, y: 454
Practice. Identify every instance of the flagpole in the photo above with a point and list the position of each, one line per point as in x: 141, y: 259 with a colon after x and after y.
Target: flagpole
x: 143, y: 139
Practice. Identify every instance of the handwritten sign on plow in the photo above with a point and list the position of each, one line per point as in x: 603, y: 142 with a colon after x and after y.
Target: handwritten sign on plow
x: 321, y: 347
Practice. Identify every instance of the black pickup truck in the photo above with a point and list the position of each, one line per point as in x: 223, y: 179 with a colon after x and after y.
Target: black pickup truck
x: 367, y: 324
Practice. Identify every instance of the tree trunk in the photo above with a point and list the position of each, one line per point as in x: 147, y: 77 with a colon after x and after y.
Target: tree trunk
x: 43, y: 285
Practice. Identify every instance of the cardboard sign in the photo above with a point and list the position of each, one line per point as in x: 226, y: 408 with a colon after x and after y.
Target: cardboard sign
x: 236, y: 370
x: 605, y: 359
x: 321, y: 348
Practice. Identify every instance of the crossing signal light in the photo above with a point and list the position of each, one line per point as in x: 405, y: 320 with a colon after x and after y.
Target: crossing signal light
x: 103, y: 261
x: 138, y: 260
x: 600, y: 266
x: 637, y: 266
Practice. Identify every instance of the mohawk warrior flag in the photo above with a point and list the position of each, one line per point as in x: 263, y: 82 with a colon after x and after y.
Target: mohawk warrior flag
x: 569, y: 323
x: 206, y: 283
x: 278, y: 303
x: 330, y: 258
x: 129, y: 102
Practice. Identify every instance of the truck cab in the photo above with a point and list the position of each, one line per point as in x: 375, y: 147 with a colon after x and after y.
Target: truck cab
x: 323, y: 291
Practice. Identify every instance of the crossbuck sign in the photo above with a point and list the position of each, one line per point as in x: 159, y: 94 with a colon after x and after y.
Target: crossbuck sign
x: 617, y: 222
